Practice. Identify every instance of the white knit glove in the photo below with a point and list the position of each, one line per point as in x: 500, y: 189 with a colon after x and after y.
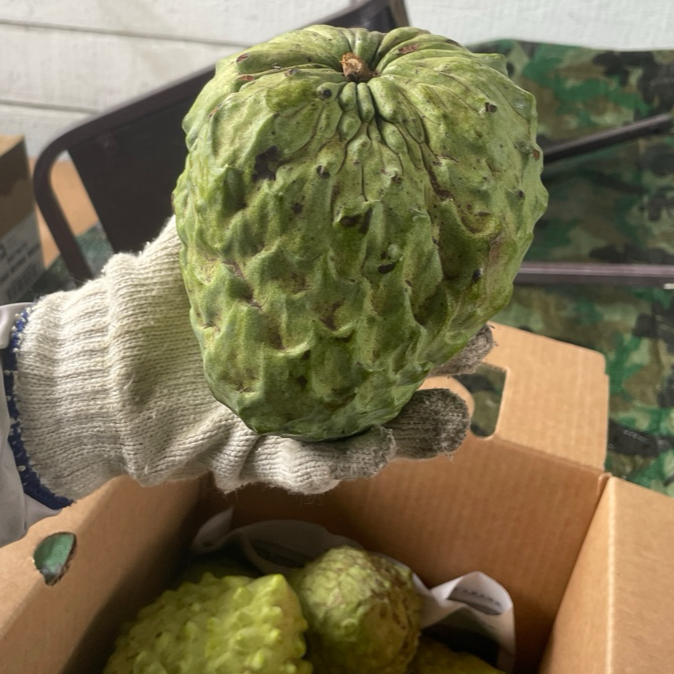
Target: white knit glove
x: 108, y: 380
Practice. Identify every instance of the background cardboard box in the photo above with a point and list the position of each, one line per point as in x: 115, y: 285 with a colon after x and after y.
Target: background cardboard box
x: 20, y: 250
x: 517, y: 505
x: 618, y: 610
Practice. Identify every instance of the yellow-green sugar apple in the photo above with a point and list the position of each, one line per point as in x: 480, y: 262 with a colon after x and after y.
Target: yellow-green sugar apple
x: 217, y: 626
x: 432, y: 657
x: 354, y: 207
x: 363, y: 611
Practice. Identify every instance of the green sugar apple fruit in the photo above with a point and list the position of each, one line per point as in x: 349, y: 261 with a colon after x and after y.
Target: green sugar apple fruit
x: 363, y: 611
x: 432, y: 657
x: 354, y: 207
x: 217, y: 626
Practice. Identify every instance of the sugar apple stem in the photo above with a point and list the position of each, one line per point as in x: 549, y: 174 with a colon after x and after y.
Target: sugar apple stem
x: 355, y: 69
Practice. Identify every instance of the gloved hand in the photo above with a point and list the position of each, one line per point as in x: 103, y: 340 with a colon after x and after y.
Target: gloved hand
x: 108, y: 380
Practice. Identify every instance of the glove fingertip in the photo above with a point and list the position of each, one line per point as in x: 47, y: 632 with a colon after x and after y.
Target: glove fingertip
x: 468, y: 359
x: 435, y: 421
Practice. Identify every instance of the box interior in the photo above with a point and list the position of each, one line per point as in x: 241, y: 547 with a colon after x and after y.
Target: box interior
x: 516, y: 505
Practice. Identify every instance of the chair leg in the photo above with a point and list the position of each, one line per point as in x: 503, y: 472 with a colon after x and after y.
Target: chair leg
x: 597, y: 141
x: 547, y: 273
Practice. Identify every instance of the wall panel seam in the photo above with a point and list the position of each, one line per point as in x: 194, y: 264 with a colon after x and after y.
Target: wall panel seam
x: 120, y: 33
x: 47, y: 106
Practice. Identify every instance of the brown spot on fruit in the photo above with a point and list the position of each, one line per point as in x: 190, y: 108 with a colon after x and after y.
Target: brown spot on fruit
x: 362, y: 220
x: 329, y: 320
x: 235, y: 266
x: 274, y: 338
x: 264, y: 168
x: 441, y: 192
x: 366, y: 221
x: 251, y: 300
x: 336, y: 189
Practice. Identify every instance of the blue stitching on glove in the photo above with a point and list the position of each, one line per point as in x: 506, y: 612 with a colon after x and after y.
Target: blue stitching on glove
x: 29, y: 479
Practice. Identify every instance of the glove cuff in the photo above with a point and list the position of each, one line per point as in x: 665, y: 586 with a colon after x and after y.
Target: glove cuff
x: 61, y: 386
x: 30, y: 482
x: 94, y: 367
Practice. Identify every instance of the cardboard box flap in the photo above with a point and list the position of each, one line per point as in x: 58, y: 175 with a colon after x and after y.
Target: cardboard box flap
x: 16, y: 189
x: 618, y: 612
x: 21, y: 260
x: 555, y: 398
x: 521, y: 519
x: 7, y: 142
x: 128, y: 540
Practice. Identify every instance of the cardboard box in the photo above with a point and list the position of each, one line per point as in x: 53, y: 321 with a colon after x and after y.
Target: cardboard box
x: 524, y: 505
x: 20, y: 250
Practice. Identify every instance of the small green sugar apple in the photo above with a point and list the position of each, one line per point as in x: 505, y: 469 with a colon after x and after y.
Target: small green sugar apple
x: 354, y: 207
x: 219, y: 564
x: 231, y: 625
x: 432, y: 657
x: 363, y: 611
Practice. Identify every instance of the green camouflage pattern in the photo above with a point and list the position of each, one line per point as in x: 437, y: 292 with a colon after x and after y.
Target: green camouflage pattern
x: 614, y: 205
x: 486, y: 386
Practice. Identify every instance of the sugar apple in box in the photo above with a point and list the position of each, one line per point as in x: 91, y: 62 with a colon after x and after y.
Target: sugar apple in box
x: 217, y: 626
x: 363, y: 611
x: 354, y: 207
x: 432, y: 657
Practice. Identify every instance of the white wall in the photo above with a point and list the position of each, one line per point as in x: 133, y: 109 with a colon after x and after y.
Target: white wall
x: 63, y: 59
x: 610, y: 24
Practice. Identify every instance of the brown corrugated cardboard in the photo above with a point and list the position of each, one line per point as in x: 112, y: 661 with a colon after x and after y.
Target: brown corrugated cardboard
x: 516, y: 505
x: 128, y: 539
x: 74, y: 201
x: 20, y: 252
x: 618, y: 611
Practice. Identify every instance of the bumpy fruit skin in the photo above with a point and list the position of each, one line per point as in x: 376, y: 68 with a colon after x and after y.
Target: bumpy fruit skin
x: 363, y: 612
x: 433, y: 657
x: 219, y: 563
x: 341, y: 238
x: 218, y: 626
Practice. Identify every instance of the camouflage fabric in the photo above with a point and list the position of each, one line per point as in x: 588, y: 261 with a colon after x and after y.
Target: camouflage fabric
x: 614, y: 205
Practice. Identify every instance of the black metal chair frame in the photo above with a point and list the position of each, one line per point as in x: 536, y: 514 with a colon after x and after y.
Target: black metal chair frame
x: 99, y: 126
x: 656, y: 275
x: 374, y: 14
